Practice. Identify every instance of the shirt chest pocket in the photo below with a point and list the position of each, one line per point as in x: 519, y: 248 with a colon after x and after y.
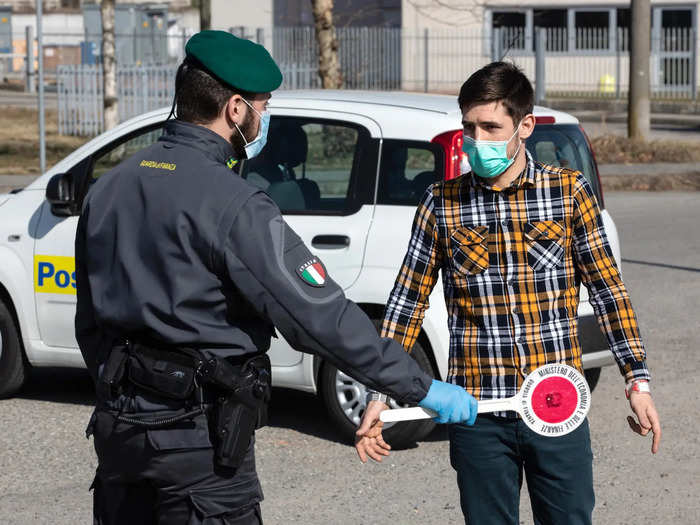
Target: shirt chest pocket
x: 545, y: 246
x: 470, y: 249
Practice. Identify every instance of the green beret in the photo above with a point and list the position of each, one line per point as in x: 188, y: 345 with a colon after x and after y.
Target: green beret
x: 238, y: 63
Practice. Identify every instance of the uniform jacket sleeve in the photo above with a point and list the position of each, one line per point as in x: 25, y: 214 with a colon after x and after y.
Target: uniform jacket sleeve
x: 94, y: 343
x: 262, y: 256
x: 600, y: 274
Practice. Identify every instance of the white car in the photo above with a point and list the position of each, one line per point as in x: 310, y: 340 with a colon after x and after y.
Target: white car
x: 347, y: 169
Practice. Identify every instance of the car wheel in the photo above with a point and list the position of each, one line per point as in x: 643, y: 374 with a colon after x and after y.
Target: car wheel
x: 344, y: 398
x: 592, y: 377
x: 12, y: 367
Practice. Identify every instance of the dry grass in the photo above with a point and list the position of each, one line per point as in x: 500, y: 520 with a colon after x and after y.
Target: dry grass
x: 666, y: 182
x: 19, y: 141
x: 613, y: 149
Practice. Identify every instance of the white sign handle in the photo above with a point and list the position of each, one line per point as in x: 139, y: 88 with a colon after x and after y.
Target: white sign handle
x: 497, y: 405
x: 406, y: 414
x: 409, y: 414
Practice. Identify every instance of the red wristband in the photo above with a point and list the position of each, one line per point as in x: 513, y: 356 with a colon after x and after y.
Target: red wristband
x: 638, y: 385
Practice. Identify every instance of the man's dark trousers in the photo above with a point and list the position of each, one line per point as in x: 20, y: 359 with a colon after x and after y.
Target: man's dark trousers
x: 168, y: 476
x: 490, y: 458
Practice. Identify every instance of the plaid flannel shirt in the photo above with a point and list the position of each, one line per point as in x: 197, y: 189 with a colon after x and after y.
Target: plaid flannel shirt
x: 512, y: 262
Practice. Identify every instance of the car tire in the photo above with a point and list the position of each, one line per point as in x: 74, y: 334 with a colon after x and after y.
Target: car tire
x: 344, y: 398
x: 592, y: 377
x: 12, y: 365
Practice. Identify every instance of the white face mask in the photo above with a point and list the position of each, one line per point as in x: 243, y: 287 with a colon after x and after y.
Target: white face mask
x: 255, y: 146
x: 489, y: 158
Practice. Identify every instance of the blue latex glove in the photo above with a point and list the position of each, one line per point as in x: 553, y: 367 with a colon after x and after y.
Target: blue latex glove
x: 451, y: 402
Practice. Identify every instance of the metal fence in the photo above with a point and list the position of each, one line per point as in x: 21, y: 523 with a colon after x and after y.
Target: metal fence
x: 370, y: 57
x: 80, y: 96
x: 140, y: 89
x: 588, y: 62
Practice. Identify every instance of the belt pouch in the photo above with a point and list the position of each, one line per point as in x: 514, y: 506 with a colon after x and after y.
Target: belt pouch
x: 166, y: 373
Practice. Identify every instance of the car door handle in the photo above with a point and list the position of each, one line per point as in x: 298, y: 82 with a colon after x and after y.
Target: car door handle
x: 330, y: 242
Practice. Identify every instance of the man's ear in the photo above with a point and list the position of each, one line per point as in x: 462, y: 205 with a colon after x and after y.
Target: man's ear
x: 234, y: 111
x: 527, y: 126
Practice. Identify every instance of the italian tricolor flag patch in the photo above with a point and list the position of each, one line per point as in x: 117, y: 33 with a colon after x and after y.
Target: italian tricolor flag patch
x: 312, y: 272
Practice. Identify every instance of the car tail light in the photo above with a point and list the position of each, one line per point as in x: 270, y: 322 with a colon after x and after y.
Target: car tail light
x: 595, y: 165
x: 544, y: 120
x: 451, y: 142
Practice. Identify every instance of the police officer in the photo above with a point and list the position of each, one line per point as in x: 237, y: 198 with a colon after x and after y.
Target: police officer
x: 183, y: 272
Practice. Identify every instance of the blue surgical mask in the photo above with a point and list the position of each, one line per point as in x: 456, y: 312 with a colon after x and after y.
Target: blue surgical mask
x: 255, y: 146
x: 489, y: 158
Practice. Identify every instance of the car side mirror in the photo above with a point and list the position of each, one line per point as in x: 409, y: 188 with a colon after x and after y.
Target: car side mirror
x: 60, y: 193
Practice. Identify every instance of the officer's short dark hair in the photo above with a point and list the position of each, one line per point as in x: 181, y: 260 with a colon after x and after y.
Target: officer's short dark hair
x: 199, y: 95
x: 499, y: 82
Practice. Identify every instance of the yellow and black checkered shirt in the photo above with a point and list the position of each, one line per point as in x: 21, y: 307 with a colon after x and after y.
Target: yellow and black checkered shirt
x: 512, y: 262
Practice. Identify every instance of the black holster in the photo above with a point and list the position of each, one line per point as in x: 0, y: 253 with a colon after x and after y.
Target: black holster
x: 242, y: 392
x: 240, y: 410
x: 109, y: 384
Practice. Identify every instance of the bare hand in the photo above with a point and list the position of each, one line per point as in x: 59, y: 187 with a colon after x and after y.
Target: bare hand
x: 368, y: 438
x: 647, y: 418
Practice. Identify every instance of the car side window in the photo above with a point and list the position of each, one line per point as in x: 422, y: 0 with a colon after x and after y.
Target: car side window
x: 563, y: 145
x: 121, y: 149
x: 91, y: 168
x: 407, y: 168
x: 310, y: 166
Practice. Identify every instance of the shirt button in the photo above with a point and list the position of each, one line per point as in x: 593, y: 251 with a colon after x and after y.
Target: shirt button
x: 504, y: 223
x: 515, y: 310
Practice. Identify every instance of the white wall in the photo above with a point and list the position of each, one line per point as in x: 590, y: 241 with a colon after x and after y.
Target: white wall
x: 58, y: 28
x: 249, y: 13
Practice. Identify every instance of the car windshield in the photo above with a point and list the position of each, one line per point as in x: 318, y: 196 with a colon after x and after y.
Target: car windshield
x: 564, y: 145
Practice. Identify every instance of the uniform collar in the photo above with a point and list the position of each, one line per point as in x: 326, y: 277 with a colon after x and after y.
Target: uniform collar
x: 526, y: 179
x: 205, y: 140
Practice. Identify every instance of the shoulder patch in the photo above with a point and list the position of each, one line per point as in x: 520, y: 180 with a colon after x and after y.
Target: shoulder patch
x: 312, y: 272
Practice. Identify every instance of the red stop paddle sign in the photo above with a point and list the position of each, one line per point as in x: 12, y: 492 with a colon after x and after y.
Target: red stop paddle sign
x: 553, y: 400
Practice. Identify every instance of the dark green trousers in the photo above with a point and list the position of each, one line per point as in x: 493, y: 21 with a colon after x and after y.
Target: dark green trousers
x: 491, y: 457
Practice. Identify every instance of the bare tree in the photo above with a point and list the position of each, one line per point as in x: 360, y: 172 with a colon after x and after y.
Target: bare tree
x: 638, y: 117
x: 109, y: 65
x: 328, y: 63
x: 204, y: 14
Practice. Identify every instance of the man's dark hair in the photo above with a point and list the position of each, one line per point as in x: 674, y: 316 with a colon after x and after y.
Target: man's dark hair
x: 199, y: 95
x: 499, y: 82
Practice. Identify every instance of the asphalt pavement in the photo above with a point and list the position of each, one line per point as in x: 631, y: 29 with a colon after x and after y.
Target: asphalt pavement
x: 311, y: 477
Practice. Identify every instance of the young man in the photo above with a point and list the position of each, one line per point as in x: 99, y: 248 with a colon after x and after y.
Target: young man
x: 514, y: 239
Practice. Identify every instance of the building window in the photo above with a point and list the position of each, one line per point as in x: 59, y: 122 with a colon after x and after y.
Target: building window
x: 511, y: 27
x: 588, y: 30
x: 592, y: 30
x: 555, y: 22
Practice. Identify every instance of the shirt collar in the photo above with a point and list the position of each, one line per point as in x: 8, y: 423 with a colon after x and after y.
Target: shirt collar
x: 526, y: 179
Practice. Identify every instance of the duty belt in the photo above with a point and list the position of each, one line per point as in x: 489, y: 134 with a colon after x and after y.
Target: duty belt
x: 180, y: 373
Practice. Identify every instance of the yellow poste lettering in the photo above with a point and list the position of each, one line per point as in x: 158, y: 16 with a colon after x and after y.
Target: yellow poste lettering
x: 54, y: 274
